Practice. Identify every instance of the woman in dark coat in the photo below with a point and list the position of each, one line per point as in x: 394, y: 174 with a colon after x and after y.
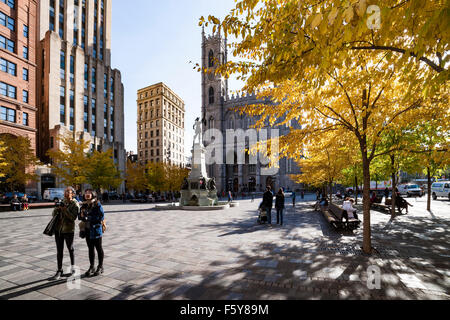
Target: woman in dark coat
x: 92, y: 214
x: 279, y: 205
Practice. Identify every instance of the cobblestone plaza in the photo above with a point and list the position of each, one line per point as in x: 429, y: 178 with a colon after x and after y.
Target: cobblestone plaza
x: 226, y: 255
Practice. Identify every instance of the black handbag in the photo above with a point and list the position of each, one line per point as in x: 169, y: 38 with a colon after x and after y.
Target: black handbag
x: 50, y: 229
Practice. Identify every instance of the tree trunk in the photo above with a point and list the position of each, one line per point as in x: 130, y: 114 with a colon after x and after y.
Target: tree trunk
x: 429, y: 189
x: 394, y: 186
x: 367, y: 235
x: 331, y: 192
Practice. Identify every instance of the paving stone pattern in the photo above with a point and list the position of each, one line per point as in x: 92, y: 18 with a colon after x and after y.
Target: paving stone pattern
x: 153, y: 254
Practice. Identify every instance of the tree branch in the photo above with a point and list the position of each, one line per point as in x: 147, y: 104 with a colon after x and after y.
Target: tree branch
x: 430, y: 63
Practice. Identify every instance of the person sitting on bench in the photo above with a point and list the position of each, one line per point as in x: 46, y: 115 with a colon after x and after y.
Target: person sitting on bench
x: 349, y: 211
x: 16, y: 205
x: 321, y: 203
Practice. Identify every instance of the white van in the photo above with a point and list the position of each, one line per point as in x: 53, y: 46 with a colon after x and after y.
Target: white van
x: 410, y: 190
x: 440, y: 189
x: 54, y: 194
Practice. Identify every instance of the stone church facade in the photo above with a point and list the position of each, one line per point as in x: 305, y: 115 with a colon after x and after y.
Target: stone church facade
x: 218, y: 113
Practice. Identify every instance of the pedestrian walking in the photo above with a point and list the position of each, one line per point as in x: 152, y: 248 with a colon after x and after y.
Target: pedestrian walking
x: 302, y: 194
x: 230, y: 196
x: 386, y: 193
x: 93, y: 215
x: 68, y: 211
x: 279, y: 205
x: 268, y: 203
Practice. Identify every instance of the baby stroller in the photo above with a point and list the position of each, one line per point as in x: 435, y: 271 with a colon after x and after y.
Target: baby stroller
x: 262, y: 217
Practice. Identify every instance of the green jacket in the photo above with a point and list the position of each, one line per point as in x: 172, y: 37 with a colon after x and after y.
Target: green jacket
x: 68, y: 215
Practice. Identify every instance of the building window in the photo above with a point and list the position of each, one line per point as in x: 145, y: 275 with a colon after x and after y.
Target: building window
x: 86, y: 76
x: 62, y: 105
x: 25, y: 74
x: 211, y: 59
x: 94, y: 80
x: 7, y: 114
x: 8, y: 90
x: 25, y: 119
x: 7, y: 21
x: 10, y: 3
x: 62, y: 64
x: 25, y: 96
x: 61, y: 18
x: 72, y: 69
x: 25, y: 31
x: 52, y: 15
x: 8, y: 67
x: 112, y: 88
x: 211, y: 95
x: 7, y: 44
x: 25, y: 52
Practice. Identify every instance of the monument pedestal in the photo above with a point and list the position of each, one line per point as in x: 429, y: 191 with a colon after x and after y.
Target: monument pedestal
x: 198, y: 189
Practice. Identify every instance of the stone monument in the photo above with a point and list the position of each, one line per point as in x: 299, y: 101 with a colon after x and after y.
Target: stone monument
x: 198, y: 190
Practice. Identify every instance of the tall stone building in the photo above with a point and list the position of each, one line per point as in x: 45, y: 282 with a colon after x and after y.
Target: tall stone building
x: 18, y: 98
x: 79, y: 90
x: 218, y: 113
x: 160, y: 125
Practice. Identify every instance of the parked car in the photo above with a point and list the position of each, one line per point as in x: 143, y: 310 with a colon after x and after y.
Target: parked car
x: 440, y: 189
x: 54, y: 194
x: 410, y: 190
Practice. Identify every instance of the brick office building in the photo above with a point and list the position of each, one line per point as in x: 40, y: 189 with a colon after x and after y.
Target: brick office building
x: 18, y: 101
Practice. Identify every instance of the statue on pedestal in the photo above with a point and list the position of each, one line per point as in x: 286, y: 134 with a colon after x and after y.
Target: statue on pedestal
x: 198, y: 131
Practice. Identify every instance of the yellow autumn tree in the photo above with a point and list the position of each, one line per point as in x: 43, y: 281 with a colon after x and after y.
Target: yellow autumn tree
x: 325, y: 65
x: 155, y: 175
x: 135, y: 177
x: 324, y: 160
x: 3, y: 163
x: 17, y: 162
x: 70, y: 162
x: 102, y: 172
x: 432, y: 147
x: 174, y: 177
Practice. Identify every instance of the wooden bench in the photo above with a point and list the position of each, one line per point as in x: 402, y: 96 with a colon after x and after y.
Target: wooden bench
x: 333, y: 214
x: 388, y: 206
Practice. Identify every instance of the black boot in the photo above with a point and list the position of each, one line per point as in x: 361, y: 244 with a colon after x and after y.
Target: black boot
x: 99, y: 271
x: 90, y: 272
x: 57, y: 276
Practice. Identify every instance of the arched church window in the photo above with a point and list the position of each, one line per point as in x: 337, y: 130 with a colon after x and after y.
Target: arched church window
x: 231, y: 124
x: 211, y: 59
x: 211, y: 95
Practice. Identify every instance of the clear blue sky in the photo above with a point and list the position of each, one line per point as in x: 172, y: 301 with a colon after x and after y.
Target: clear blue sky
x: 153, y: 41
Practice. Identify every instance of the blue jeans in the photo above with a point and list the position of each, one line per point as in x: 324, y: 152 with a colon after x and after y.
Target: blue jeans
x: 269, y: 214
x: 280, y: 216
